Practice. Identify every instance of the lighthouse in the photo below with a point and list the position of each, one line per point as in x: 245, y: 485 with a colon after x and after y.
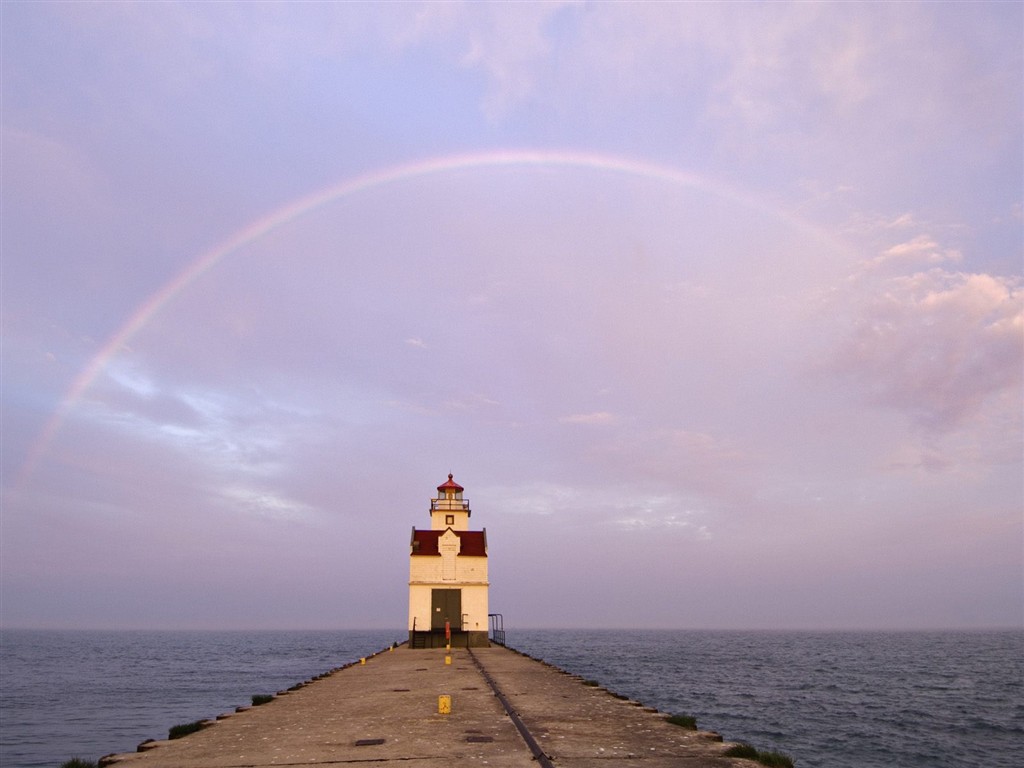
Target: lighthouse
x: 448, y: 575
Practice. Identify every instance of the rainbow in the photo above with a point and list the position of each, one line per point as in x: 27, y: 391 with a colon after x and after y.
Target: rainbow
x: 370, y: 180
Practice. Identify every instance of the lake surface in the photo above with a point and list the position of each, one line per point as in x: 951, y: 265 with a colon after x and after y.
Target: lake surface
x: 828, y: 699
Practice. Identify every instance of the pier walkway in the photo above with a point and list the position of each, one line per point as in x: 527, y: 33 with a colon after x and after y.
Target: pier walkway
x: 385, y: 712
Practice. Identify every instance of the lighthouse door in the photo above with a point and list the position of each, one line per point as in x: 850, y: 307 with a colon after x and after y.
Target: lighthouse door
x: 446, y: 605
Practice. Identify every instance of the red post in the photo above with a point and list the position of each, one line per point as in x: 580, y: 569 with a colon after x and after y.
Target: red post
x: 447, y: 630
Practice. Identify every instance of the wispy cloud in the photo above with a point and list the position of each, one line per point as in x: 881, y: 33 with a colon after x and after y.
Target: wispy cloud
x: 597, y: 418
x: 935, y: 345
x: 266, y: 503
x: 922, y: 250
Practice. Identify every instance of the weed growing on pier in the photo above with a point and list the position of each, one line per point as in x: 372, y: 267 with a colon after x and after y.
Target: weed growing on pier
x: 742, y: 750
x: 77, y: 762
x: 591, y: 683
x: 683, y: 721
x: 775, y: 759
x: 184, y: 729
x: 261, y: 698
x: 771, y: 759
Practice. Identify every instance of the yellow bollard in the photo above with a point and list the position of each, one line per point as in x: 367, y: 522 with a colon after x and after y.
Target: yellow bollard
x: 447, y: 660
x: 362, y: 661
x: 444, y: 704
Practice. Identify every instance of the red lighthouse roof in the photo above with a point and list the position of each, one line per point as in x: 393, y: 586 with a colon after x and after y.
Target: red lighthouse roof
x: 472, y: 543
x: 451, y: 485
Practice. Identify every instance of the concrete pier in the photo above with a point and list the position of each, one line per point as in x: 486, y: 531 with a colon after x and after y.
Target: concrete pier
x: 507, y: 711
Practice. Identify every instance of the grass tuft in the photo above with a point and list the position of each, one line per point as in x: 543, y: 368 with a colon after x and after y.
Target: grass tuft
x: 261, y: 698
x: 184, y: 729
x: 775, y: 759
x: 683, y: 721
x: 77, y: 762
x: 742, y: 750
x: 771, y: 759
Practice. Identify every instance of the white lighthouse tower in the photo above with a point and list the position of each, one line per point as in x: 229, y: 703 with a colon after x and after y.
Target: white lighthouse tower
x: 448, y: 576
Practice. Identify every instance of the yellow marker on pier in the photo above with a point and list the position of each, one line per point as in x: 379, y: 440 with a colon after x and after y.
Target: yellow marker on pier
x: 444, y: 704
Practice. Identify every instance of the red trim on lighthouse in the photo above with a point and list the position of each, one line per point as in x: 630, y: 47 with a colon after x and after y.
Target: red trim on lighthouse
x: 451, y: 485
x: 474, y: 543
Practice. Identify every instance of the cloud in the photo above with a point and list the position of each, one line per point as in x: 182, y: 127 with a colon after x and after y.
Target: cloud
x: 471, y: 401
x: 511, y: 45
x: 708, y: 471
x: 922, y: 249
x: 128, y: 377
x: 620, y: 507
x: 218, y: 432
x: 663, y: 514
x: 599, y: 418
x: 52, y: 172
x: 266, y: 503
x: 533, y: 498
x: 915, y: 246
x: 903, y: 220
x: 935, y: 345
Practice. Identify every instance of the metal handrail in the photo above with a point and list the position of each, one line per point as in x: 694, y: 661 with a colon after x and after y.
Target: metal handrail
x: 438, y: 505
x: 497, y: 622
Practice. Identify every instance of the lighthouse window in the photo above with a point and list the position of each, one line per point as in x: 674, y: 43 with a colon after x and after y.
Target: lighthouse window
x: 449, y: 519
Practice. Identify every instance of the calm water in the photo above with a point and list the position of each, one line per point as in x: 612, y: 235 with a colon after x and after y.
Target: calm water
x: 87, y: 694
x: 835, y: 700
x: 827, y: 699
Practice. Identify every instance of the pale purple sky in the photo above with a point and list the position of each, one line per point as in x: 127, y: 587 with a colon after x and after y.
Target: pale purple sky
x: 715, y: 310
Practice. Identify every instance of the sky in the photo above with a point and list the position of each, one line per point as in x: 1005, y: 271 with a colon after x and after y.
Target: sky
x: 714, y: 309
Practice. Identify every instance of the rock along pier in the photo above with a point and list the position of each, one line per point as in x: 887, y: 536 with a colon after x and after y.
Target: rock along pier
x: 504, y: 710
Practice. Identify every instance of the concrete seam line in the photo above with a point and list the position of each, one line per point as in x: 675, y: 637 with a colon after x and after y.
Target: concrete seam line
x: 531, y: 742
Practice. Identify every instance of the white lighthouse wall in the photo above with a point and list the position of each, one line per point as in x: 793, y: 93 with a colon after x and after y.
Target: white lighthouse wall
x: 425, y: 574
